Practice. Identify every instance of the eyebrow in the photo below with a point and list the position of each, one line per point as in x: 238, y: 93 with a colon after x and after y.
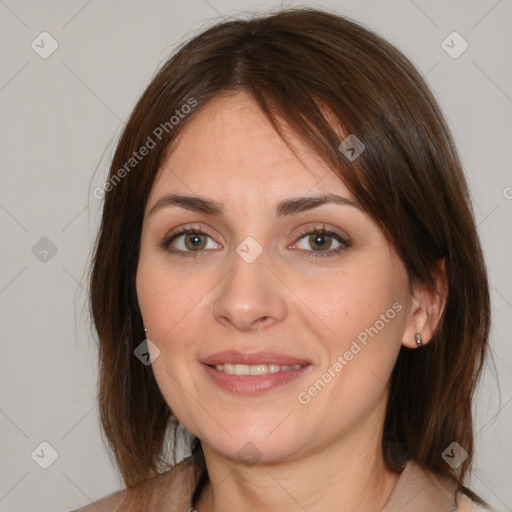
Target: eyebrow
x: 284, y: 208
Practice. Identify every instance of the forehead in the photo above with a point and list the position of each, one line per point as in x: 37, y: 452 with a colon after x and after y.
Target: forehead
x: 229, y: 149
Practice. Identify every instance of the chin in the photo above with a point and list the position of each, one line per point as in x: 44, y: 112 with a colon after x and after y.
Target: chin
x: 252, y: 442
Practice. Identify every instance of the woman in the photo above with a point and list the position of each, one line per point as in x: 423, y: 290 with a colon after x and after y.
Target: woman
x: 288, y: 275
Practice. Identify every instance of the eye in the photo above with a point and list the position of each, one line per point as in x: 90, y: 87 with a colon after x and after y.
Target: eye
x: 189, y: 240
x: 321, y: 242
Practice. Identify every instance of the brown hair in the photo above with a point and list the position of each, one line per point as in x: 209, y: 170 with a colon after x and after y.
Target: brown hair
x: 306, y: 67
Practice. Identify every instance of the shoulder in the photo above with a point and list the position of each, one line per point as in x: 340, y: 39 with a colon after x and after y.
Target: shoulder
x: 171, y: 490
x: 466, y: 504
x: 420, y: 489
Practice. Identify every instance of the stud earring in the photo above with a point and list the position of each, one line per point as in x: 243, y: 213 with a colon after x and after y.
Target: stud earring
x: 418, y: 340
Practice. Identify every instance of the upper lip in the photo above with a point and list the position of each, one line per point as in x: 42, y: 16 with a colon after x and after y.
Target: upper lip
x: 252, y: 358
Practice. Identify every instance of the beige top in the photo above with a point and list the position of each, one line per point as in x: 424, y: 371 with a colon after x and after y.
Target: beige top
x: 417, y: 490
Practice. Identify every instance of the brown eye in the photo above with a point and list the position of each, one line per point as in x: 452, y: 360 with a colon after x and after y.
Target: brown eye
x: 189, y: 241
x: 195, y: 241
x: 321, y: 241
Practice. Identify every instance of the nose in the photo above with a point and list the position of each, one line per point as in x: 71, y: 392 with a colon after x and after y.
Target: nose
x: 250, y: 295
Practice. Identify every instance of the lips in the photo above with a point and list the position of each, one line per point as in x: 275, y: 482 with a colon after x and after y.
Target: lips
x: 239, y: 378
x: 253, y: 358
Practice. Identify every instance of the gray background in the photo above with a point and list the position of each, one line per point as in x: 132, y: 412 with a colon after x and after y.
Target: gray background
x: 60, y: 117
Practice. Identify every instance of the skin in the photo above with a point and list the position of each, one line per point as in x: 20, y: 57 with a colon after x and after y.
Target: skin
x: 323, y: 455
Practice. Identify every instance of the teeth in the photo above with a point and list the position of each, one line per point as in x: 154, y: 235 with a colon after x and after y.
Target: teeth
x: 255, y: 369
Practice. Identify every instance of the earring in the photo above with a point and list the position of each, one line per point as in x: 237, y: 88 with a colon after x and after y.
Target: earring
x: 418, y: 340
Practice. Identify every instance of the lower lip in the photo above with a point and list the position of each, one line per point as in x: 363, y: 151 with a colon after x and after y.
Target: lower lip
x: 253, y: 384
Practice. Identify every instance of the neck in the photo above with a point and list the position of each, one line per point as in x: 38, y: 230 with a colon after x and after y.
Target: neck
x: 351, y: 474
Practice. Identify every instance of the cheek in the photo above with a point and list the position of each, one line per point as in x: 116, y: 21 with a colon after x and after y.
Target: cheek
x: 364, y: 312
x: 170, y: 303
x: 362, y: 303
x: 172, y: 309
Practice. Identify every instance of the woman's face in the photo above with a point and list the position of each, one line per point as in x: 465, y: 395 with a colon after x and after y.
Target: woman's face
x: 279, y: 317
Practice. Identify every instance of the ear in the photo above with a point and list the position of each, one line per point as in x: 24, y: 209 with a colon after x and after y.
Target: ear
x: 426, y: 308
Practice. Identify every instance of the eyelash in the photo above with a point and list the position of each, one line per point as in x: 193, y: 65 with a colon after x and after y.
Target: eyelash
x: 189, y: 230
